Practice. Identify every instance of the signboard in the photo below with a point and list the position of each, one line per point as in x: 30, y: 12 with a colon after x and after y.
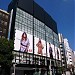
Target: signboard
x: 23, y: 42
x: 39, y: 46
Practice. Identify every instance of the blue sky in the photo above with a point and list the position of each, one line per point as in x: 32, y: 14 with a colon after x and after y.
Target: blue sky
x: 62, y: 11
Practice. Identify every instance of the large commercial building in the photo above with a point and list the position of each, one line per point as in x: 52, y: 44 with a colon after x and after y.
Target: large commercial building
x: 74, y: 62
x: 3, y: 23
x: 36, y: 46
x: 68, y: 52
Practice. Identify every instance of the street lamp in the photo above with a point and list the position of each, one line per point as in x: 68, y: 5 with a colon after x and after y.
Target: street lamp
x: 14, y: 65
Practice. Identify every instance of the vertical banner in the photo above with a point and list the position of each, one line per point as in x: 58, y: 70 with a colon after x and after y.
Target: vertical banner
x: 40, y: 46
x: 23, y: 42
x: 50, y: 50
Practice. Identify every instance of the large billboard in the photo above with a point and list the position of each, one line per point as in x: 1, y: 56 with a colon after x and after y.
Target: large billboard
x: 39, y: 46
x: 23, y: 41
x: 53, y: 51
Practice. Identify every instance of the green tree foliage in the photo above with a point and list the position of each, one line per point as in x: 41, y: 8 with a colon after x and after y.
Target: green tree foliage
x: 6, y: 55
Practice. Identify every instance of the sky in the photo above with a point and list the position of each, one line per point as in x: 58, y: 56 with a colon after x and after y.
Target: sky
x: 62, y: 11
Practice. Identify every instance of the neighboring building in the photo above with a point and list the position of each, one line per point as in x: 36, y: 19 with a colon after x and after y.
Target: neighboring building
x: 42, y: 53
x: 69, y: 52
x: 3, y: 23
x: 74, y: 62
x: 69, y: 55
x: 63, y: 56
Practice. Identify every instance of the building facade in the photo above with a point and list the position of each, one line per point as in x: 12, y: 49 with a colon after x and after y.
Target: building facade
x: 69, y: 55
x: 36, y: 45
x: 74, y: 62
x: 3, y: 23
x: 69, y: 52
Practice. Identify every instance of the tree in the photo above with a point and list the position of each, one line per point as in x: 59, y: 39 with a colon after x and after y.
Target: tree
x: 6, y: 56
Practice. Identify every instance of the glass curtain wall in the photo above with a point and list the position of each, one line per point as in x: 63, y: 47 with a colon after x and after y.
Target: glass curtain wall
x: 24, y: 21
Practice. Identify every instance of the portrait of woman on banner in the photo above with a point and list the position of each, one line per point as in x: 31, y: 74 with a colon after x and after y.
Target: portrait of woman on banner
x: 57, y: 54
x: 24, y: 43
x: 50, y: 51
x: 40, y: 46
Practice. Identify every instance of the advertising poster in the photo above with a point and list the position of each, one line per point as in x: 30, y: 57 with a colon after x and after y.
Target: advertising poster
x: 57, y: 51
x: 50, y: 50
x: 39, y: 47
x: 53, y: 50
x: 23, y: 42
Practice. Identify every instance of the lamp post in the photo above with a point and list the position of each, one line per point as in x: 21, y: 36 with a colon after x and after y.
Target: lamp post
x: 14, y: 65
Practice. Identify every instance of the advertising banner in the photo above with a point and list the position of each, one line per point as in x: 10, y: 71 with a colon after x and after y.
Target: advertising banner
x: 39, y: 46
x: 23, y: 42
x: 50, y: 50
x: 57, y: 52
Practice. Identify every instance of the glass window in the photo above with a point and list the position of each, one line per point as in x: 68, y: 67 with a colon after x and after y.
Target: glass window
x: 20, y: 27
x: 48, y: 29
x: 39, y: 29
x: 16, y: 24
x: 28, y: 22
x: 17, y: 17
x: 49, y: 39
x: 26, y: 14
x: 25, y: 28
x: 20, y: 19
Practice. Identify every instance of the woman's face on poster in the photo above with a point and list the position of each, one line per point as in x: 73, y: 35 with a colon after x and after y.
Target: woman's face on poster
x: 39, y: 40
x: 24, y: 36
x: 49, y: 45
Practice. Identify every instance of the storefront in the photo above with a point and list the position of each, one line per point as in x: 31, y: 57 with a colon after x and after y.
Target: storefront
x: 29, y: 64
